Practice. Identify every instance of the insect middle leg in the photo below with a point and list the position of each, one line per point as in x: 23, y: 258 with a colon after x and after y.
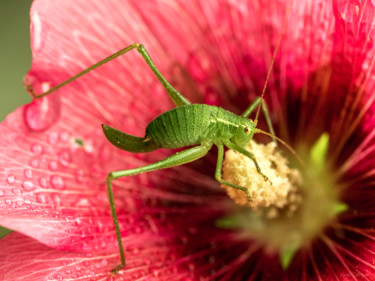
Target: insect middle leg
x: 248, y: 154
x: 177, y: 159
x: 264, y: 106
x: 219, y: 165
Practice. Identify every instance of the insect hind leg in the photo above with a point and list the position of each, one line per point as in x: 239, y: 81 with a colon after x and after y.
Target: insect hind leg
x: 177, y: 159
x: 176, y: 97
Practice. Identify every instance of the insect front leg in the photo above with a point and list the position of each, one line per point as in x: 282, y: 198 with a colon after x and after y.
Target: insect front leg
x: 177, y: 159
x: 219, y: 166
x: 243, y: 151
x: 264, y: 106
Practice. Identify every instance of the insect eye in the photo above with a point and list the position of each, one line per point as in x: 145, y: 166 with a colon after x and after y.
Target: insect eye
x: 246, y: 130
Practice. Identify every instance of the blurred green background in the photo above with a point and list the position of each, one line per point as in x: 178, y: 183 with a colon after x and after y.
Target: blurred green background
x: 15, y: 57
x: 15, y: 54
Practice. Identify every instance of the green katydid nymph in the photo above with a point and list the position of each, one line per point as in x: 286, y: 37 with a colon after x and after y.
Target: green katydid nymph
x: 197, y: 126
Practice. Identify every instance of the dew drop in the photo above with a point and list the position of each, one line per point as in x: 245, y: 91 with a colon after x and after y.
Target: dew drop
x: 11, y: 179
x: 28, y: 173
x: 28, y: 185
x: 19, y: 203
x: 42, y: 113
x: 27, y: 201
x: 53, y: 165
x: 1, y: 192
x: 16, y: 191
x: 56, y: 200
x: 64, y: 158
x: 57, y: 182
x: 64, y: 136
x: 43, y: 182
x: 34, y: 163
x: 8, y: 202
x: 41, y: 198
x: 52, y: 138
x: 37, y: 149
x: 80, y: 176
x: 78, y: 221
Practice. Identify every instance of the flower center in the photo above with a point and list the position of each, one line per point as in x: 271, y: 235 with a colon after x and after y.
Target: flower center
x: 279, y: 192
x: 290, y: 210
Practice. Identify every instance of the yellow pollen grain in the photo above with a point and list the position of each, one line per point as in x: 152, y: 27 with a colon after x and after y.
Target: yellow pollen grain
x: 271, y: 199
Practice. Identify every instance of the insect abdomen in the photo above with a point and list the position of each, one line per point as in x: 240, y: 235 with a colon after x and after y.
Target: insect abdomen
x: 181, y: 126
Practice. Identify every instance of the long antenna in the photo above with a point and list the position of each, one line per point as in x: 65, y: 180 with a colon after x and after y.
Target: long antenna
x: 284, y: 143
x: 273, y: 60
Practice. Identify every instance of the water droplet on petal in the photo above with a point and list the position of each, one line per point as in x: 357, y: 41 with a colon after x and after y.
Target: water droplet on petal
x: 43, y: 182
x: 34, y: 163
x: 8, y: 202
x: 2, y: 192
x: 56, y: 200
x: 27, y: 201
x: 19, y: 203
x: 53, y: 165
x: 57, y: 182
x: 37, y: 149
x: 28, y: 185
x: 80, y: 175
x: 78, y: 221
x: 41, y: 198
x: 16, y: 191
x: 28, y: 173
x: 42, y: 113
x: 64, y: 136
x: 11, y: 179
x: 52, y: 138
x: 64, y: 158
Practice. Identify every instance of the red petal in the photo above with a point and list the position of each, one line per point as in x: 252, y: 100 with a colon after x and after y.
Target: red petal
x: 42, y: 263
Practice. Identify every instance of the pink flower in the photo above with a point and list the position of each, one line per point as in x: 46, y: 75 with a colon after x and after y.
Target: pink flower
x: 55, y: 158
